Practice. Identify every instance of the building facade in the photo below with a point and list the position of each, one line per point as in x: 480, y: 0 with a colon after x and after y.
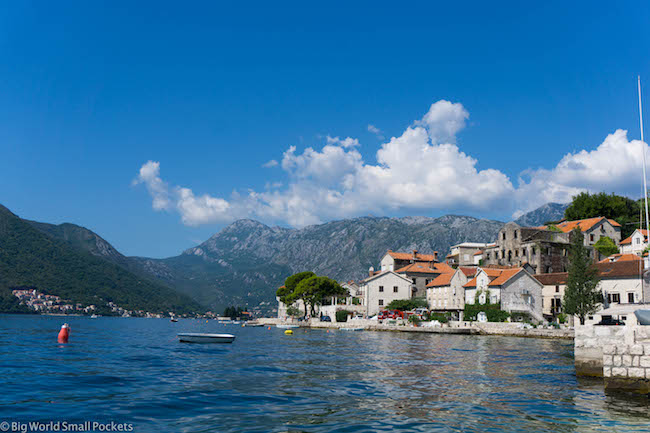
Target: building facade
x: 383, y: 288
x: 636, y: 243
x: 464, y: 254
x: 446, y: 292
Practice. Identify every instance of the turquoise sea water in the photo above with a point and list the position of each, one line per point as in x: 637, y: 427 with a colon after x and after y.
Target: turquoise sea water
x: 134, y: 371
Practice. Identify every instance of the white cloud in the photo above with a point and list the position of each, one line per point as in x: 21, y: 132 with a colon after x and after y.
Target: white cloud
x: 150, y: 175
x: 421, y: 171
x: 614, y: 166
x: 373, y: 129
x: 269, y: 164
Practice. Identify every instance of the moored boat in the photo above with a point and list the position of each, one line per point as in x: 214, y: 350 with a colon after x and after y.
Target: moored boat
x: 253, y: 324
x: 287, y: 326
x: 192, y: 337
x: 351, y: 329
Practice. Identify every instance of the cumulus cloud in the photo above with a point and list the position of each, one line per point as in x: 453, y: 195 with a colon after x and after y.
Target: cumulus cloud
x: 614, y: 166
x: 422, y: 170
x: 269, y: 164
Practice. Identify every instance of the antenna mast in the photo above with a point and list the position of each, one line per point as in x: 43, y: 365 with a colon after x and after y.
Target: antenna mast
x: 645, y: 184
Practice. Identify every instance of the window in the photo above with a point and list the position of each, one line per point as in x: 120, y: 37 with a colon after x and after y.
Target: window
x: 638, y: 241
x: 504, y: 236
x: 616, y: 298
x: 623, y: 318
x: 381, y: 289
x: 516, y: 253
x: 557, y: 289
x: 381, y: 302
x: 591, y: 238
x: 630, y: 298
x: 395, y: 289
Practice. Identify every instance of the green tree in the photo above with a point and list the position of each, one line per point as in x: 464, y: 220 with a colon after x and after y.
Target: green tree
x: 407, y: 304
x: 293, y: 311
x: 315, y: 290
x: 581, y: 296
x: 606, y: 246
x: 623, y: 210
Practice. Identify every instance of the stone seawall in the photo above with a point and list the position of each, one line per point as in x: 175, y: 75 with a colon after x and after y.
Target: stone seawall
x: 619, y: 354
x: 464, y: 328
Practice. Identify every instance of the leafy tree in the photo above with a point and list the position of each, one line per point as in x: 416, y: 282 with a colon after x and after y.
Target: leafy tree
x: 293, y: 311
x: 623, y: 210
x: 606, y: 246
x: 314, y: 290
x: 407, y: 304
x: 287, y: 293
x: 581, y: 296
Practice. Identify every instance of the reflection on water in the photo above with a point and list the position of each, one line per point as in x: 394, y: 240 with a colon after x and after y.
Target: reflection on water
x: 134, y: 370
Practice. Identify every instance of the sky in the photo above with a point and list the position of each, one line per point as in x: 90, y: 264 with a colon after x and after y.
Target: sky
x: 157, y: 124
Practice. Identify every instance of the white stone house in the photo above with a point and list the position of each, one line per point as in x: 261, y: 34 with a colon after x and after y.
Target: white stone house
x: 514, y: 289
x: 383, y: 288
x: 636, y: 243
x: 446, y: 292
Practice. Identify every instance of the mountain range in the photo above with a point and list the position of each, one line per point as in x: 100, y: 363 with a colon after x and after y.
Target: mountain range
x: 244, y: 263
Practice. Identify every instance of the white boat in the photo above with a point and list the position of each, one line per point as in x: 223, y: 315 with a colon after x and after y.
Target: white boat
x: 253, y: 324
x: 205, y: 338
x: 287, y: 326
x: 94, y: 316
x: 351, y: 329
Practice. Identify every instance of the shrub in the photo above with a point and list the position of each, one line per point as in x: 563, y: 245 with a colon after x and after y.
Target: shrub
x: 407, y: 304
x: 440, y: 317
x: 561, y: 318
x: 342, y: 315
x: 414, y: 320
x: 492, y: 311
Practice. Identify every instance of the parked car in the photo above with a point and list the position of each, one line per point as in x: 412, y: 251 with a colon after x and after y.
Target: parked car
x: 325, y: 319
x: 609, y: 321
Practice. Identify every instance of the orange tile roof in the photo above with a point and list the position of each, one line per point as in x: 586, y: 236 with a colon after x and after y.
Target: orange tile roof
x: 498, y: 277
x: 478, y: 253
x: 469, y: 271
x: 620, y: 258
x: 417, y: 267
x: 441, y: 280
x: 583, y: 225
x: 443, y: 267
x: 629, y: 240
x: 409, y: 256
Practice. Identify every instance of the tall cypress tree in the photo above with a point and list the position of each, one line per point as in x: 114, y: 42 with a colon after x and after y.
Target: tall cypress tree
x: 582, y: 296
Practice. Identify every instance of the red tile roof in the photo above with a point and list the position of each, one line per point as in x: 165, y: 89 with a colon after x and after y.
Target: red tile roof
x: 443, y: 267
x: 583, y: 225
x: 478, y: 253
x: 409, y: 256
x: 498, y: 277
x: 620, y: 258
x: 469, y: 271
x: 629, y: 240
x: 441, y: 280
x: 624, y: 269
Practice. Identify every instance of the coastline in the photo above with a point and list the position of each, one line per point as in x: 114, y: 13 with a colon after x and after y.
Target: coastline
x: 458, y: 328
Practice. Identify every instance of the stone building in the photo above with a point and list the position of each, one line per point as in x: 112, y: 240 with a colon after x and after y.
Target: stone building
x: 421, y: 275
x: 464, y: 254
x: 382, y: 288
x: 393, y: 260
x: 446, y: 293
x: 515, y: 290
x: 636, y: 243
x: 620, y: 282
x: 546, y: 248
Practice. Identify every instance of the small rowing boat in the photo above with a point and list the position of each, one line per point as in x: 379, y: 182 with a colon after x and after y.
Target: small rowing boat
x: 253, y: 324
x: 287, y: 326
x: 351, y: 329
x: 205, y: 338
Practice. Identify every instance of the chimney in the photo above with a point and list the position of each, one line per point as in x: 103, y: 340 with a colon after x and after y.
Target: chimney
x: 415, y: 254
x: 435, y: 256
x: 371, y: 271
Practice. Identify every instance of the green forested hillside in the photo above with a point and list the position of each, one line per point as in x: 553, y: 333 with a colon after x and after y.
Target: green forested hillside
x: 28, y: 257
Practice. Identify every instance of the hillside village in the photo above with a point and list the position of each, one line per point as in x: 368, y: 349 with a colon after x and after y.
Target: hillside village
x: 524, y: 272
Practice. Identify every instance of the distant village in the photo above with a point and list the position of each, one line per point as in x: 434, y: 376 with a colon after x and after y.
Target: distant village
x: 524, y: 272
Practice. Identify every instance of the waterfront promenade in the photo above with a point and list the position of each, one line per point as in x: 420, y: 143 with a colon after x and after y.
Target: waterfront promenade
x: 459, y: 328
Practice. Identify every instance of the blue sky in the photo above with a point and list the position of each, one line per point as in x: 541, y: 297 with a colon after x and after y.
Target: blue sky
x: 210, y: 92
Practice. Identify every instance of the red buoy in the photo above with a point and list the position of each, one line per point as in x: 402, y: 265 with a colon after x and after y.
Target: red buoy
x: 64, y: 333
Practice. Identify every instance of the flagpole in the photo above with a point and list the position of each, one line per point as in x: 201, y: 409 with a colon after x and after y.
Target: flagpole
x: 645, y: 184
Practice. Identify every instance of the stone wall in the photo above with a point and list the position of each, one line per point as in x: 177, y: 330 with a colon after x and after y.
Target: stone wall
x: 620, y: 354
x: 626, y: 364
